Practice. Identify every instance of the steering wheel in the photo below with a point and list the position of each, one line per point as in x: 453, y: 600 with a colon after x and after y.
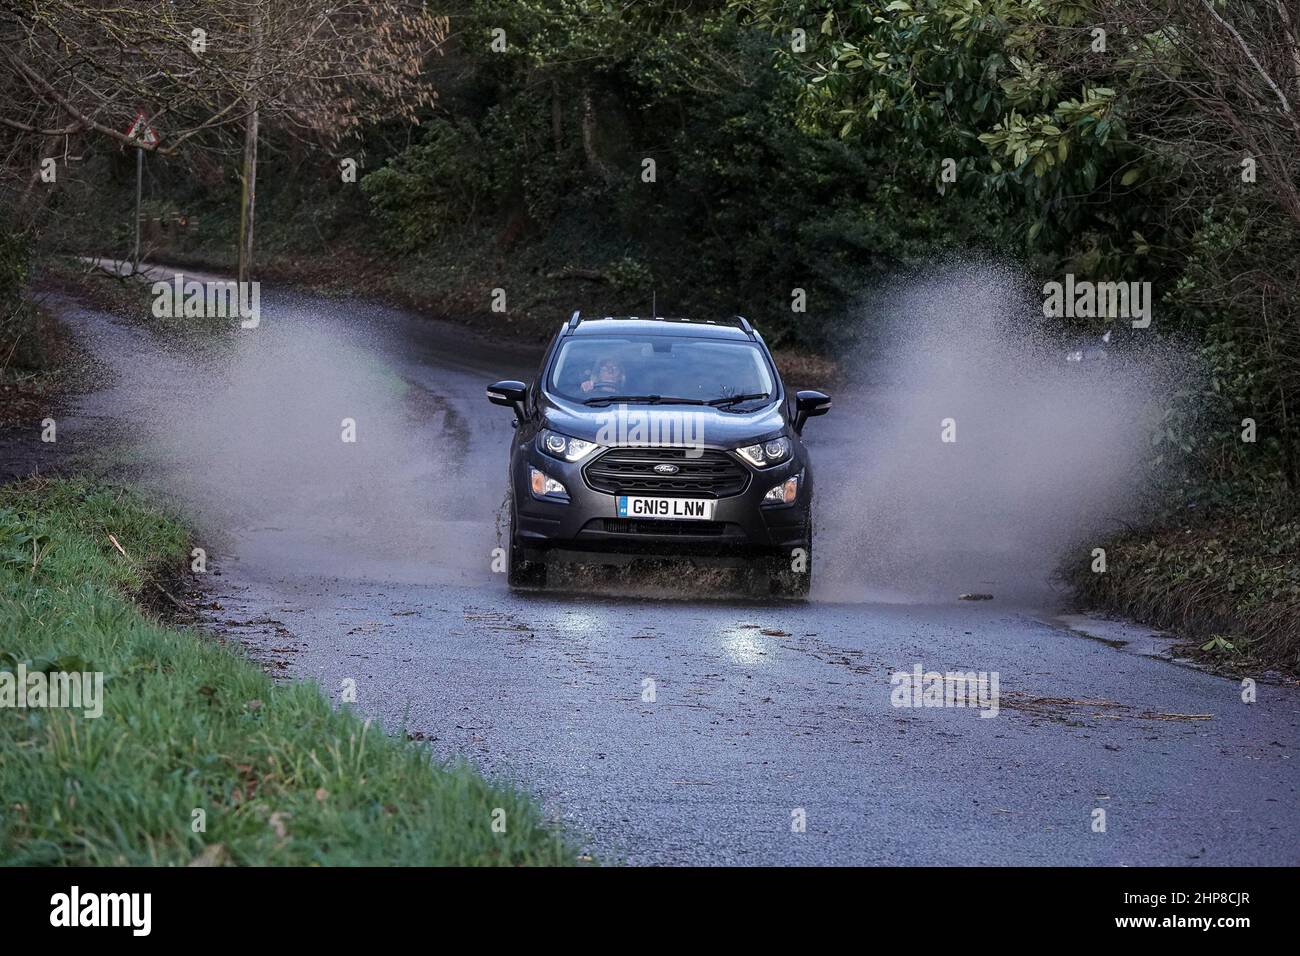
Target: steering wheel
x: 607, y: 387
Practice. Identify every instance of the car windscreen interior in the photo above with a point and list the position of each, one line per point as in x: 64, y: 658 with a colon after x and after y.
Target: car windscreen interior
x: 698, y: 368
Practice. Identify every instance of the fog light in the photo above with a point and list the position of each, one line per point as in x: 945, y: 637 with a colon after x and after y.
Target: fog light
x: 544, y: 486
x: 784, y: 493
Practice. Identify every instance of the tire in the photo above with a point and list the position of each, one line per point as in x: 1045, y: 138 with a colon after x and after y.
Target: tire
x: 783, y: 581
x: 520, y: 572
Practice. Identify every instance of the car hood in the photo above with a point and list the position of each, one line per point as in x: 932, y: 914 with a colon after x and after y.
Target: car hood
x: 663, y: 424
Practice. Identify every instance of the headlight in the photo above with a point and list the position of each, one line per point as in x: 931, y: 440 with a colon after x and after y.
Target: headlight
x: 766, y: 454
x: 562, y: 446
x: 783, y: 494
x: 544, y: 486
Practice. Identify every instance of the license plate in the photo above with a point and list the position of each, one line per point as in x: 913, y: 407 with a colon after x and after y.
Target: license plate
x: 637, y: 506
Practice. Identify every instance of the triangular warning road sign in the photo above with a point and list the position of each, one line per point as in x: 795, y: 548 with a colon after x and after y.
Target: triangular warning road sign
x: 141, y: 130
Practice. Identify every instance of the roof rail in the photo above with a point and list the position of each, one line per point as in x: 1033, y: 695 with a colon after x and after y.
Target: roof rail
x: 745, y: 326
x: 575, y: 319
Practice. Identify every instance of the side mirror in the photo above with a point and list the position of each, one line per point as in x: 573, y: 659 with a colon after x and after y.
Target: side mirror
x: 511, y: 394
x: 809, y: 404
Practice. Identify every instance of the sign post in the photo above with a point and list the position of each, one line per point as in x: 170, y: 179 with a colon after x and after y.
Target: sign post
x: 139, y: 188
x: 142, y: 132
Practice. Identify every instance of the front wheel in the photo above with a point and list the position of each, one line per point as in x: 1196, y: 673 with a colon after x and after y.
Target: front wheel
x: 520, y: 572
x: 789, y: 576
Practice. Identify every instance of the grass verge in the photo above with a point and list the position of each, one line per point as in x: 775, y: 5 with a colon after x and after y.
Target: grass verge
x: 39, y: 363
x: 278, y: 775
x: 1227, y: 581
x: 128, y: 297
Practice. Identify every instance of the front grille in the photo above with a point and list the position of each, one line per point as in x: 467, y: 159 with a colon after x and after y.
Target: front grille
x: 630, y: 471
x: 657, y: 526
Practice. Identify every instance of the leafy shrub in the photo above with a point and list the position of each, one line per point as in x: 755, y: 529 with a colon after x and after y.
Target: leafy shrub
x: 432, y: 186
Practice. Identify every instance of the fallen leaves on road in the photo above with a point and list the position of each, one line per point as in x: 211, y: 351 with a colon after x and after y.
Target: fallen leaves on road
x: 499, y: 621
x: 1064, y: 708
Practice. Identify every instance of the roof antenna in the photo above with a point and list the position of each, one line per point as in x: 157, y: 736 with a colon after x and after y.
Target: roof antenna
x: 654, y: 309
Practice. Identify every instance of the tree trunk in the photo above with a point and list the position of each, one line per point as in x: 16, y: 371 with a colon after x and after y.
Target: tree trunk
x: 248, y: 195
x: 557, y: 118
x: 589, y: 149
x: 248, y: 198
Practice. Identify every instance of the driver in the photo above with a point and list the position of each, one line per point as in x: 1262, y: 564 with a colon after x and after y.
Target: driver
x: 606, y: 376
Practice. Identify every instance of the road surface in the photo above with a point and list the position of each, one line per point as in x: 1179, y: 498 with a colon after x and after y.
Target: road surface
x: 663, y: 716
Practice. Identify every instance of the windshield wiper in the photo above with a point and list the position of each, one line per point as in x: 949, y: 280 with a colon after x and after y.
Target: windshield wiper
x: 736, y: 399
x: 642, y: 400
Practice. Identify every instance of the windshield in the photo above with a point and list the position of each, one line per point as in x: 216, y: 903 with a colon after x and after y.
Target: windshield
x: 591, y: 368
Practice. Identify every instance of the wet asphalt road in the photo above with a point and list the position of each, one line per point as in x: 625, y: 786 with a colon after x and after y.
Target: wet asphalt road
x: 761, y: 714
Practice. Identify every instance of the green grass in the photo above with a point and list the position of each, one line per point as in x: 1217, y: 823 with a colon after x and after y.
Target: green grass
x: 188, y: 725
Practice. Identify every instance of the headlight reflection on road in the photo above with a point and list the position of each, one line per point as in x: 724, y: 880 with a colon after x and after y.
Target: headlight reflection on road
x: 585, y: 624
x: 747, y: 647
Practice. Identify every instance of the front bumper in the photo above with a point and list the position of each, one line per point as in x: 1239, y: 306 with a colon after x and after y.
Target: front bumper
x: 589, y: 522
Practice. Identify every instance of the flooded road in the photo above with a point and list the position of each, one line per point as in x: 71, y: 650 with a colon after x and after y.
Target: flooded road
x: 664, y: 716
